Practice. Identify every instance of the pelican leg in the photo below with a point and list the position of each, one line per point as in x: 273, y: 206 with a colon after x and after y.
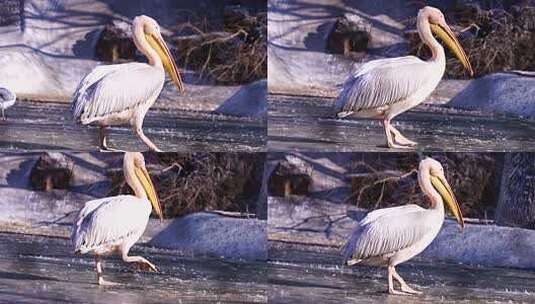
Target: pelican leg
x: 392, y: 135
x: 103, y: 141
x: 141, y: 261
x: 404, y: 286
x: 102, y: 138
x: 139, y: 132
x: 391, y: 290
x: 3, y: 115
x: 100, y: 279
x: 400, y: 139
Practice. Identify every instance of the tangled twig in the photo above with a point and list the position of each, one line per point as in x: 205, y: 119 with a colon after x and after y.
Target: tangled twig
x: 237, y: 55
x: 383, y: 182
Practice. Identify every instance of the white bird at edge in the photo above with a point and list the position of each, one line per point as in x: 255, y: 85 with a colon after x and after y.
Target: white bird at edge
x: 385, y: 88
x: 114, y: 224
x: 7, y: 99
x: 121, y: 94
x: 390, y: 236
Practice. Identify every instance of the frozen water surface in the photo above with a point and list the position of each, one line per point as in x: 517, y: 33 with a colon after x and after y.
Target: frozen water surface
x: 304, y: 277
x: 35, y: 269
x: 308, y: 124
x: 49, y: 126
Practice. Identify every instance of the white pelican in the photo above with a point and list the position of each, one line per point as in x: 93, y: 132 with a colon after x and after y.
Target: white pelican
x: 7, y: 99
x: 123, y: 93
x: 113, y: 224
x: 390, y: 236
x: 385, y: 88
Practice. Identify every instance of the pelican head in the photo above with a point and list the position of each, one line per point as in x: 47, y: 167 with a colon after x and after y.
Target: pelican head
x: 148, y: 38
x: 431, y: 174
x: 437, y: 23
x: 138, y: 179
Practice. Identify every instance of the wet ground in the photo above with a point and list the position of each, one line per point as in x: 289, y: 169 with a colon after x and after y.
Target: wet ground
x: 48, y: 126
x: 318, y: 278
x: 35, y: 269
x: 306, y: 124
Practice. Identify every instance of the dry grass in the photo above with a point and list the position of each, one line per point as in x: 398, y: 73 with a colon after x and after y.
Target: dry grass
x: 235, y: 56
x: 494, y: 40
x: 188, y: 183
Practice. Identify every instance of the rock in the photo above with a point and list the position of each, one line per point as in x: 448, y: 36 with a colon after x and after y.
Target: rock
x: 213, y: 234
x: 347, y: 36
x: 290, y: 178
x: 516, y: 200
x: 505, y: 93
x: 487, y: 245
x: 115, y: 42
x: 311, y: 221
x: 51, y: 171
x: 250, y: 100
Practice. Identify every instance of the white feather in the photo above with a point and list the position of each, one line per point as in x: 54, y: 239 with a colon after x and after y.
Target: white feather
x: 386, y: 232
x: 384, y: 82
x: 112, y: 89
x: 106, y: 223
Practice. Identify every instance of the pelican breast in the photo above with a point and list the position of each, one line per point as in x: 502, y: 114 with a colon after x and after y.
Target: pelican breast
x: 107, y: 223
x: 112, y: 90
x: 385, y: 82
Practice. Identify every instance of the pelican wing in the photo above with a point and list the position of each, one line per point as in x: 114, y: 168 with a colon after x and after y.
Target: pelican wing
x: 380, y: 83
x: 386, y: 231
x: 107, y: 222
x: 111, y: 89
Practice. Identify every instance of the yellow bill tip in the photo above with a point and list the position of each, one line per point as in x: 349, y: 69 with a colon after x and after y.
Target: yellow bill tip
x: 148, y: 186
x: 445, y: 191
x: 168, y: 62
x: 451, y: 41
